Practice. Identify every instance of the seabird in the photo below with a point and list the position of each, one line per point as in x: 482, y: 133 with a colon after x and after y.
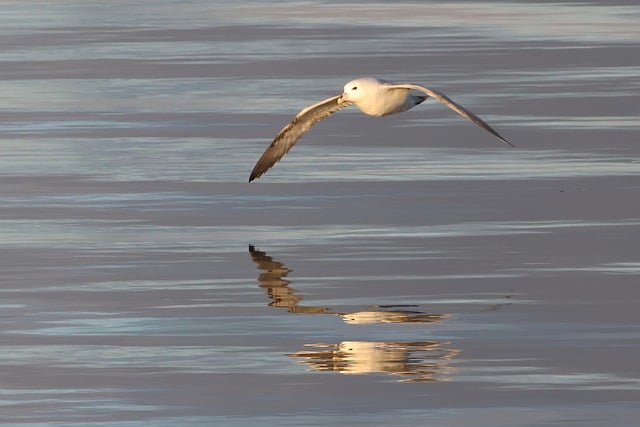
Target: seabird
x: 373, y: 97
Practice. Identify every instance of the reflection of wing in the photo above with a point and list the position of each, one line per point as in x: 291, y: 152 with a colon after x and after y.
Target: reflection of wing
x: 277, y: 288
x: 273, y: 271
x: 454, y: 106
x: 292, y: 132
x: 264, y: 261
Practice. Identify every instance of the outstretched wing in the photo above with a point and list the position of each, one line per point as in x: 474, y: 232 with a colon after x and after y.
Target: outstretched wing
x: 454, y: 106
x: 292, y: 132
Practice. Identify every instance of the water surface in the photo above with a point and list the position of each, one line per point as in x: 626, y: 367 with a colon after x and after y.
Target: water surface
x: 406, y: 270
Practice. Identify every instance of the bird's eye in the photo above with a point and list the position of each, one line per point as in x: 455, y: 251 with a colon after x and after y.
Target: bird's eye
x: 354, y: 88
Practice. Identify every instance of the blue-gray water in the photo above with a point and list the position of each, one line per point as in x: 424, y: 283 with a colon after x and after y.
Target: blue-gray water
x: 405, y: 271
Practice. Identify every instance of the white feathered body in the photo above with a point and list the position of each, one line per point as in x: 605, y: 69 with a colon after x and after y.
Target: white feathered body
x: 374, y: 97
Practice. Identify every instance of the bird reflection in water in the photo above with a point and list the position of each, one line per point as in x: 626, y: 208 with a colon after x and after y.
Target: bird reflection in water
x: 272, y: 279
x: 412, y: 361
x: 380, y: 315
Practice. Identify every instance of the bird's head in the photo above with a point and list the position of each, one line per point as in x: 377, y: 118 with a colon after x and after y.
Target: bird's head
x: 357, y: 89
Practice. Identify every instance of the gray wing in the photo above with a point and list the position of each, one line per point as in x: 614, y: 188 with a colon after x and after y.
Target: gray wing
x: 292, y: 132
x: 454, y: 106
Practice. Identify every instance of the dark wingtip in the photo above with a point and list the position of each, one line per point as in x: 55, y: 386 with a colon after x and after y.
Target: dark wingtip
x: 500, y: 137
x: 260, y: 168
x: 255, y: 175
x: 508, y: 143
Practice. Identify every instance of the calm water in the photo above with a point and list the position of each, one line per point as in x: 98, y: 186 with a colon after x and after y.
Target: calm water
x: 402, y: 271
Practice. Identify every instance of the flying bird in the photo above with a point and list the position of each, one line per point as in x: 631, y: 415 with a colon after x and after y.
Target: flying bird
x: 373, y: 97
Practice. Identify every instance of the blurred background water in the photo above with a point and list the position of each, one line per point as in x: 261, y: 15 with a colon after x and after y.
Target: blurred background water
x: 405, y: 270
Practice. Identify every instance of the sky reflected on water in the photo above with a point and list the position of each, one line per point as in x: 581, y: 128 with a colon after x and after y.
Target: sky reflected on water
x: 396, y: 271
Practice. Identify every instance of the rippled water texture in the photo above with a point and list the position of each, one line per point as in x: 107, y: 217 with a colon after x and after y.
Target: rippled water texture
x: 398, y: 271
